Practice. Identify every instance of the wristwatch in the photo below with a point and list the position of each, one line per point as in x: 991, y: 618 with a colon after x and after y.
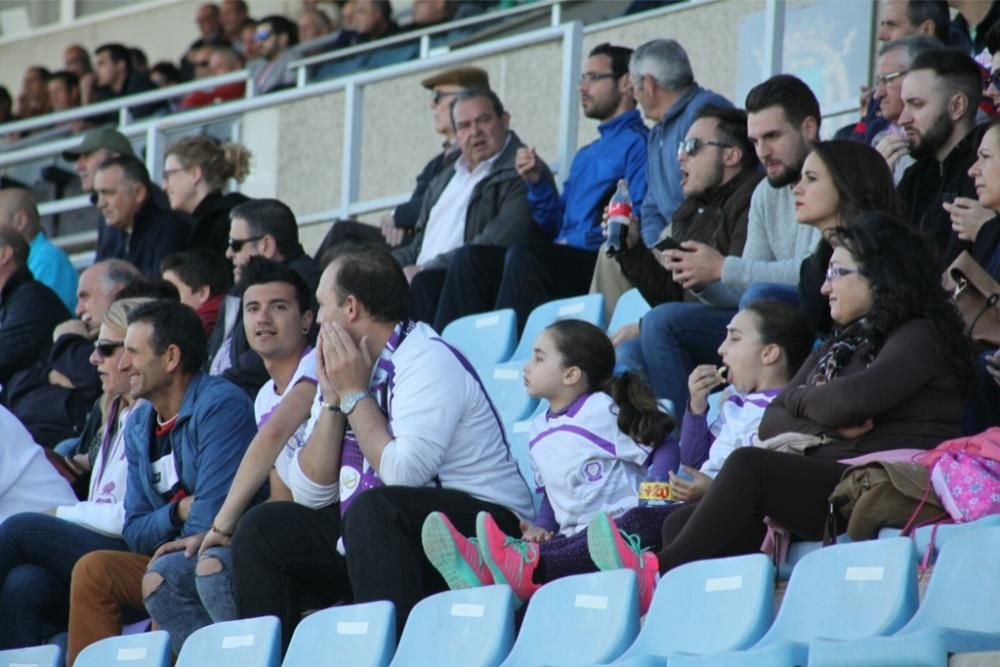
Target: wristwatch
x: 348, y: 402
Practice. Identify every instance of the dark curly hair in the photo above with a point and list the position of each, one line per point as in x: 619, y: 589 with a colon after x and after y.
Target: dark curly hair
x: 861, y: 177
x: 906, y: 286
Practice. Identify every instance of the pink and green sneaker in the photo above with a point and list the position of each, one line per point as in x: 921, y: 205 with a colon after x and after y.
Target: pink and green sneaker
x: 612, y: 549
x: 512, y: 561
x: 454, y: 556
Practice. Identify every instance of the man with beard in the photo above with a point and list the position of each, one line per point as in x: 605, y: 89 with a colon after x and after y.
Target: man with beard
x: 940, y: 94
x: 783, y: 120
x: 528, y: 274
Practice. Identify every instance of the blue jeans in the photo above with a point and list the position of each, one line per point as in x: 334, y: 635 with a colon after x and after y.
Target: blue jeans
x: 37, y: 555
x: 675, y: 338
x: 770, y: 292
x: 185, y: 602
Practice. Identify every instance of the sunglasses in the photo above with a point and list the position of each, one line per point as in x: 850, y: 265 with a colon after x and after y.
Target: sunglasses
x: 690, y: 147
x: 237, y: 244
x: 106, y: 348
x: 261, y: 35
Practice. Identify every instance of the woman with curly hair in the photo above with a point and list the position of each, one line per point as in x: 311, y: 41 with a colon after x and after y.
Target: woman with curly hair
x: 890, y: 377
x: 194, y: 173
x: 840, y: 180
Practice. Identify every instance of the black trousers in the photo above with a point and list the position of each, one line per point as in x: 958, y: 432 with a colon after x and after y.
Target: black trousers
x: 425, y: 293
x: 754, y: 483
x: 522, y: 277
x: 285, y: 557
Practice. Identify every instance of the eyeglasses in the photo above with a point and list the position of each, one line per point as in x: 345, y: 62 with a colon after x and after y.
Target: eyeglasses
x: 438, y: 95
x: 167, y: 173
x: 106, y: 348
x: 884, y: 79
x: 261, y: 35
x: 690, y: 147
x: 237, y: 244
x: 834, y: 272
x: 588, y: 78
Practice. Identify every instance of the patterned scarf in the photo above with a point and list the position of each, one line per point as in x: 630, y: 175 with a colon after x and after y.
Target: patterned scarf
x: 841, y: 350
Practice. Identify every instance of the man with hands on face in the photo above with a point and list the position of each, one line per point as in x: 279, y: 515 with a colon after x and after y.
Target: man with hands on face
x: 401, y: 427
x: 183, y: 449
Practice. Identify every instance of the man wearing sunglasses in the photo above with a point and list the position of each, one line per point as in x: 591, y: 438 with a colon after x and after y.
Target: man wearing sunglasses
x: 274, y: 39
x: 266, y: 228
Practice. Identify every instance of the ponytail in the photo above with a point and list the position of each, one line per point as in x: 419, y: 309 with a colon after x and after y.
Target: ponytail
x: 639, y: 414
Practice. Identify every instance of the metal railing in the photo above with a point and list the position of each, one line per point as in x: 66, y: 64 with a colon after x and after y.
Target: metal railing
x: 424, y: 35
x: 121, y: 105
x: 153, y: 130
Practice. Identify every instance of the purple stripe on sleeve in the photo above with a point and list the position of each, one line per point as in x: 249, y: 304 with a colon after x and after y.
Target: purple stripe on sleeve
x: 582, y: 432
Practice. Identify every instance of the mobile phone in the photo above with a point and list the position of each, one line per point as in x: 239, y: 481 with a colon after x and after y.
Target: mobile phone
x: 669, y: 243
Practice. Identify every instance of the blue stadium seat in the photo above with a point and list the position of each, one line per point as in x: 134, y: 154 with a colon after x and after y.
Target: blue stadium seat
x: 958, y: 614
x: 254, y: 642
x: 720, y: 604
x: 49, y: 655
x: 942, y: 533
x: 842, y: 592
x: 518, y: 439
x: 579, y: 620
x: 147, y: 649
x: 505, y: 386
x: 473, y: 627
x: 358, y: 635
x: 629, y: 309
x: 589, y: 307
x: 485, y: 339
x: 798, y: 550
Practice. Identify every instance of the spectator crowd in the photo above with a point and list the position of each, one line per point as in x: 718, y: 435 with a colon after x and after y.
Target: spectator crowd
x: 208, y: 423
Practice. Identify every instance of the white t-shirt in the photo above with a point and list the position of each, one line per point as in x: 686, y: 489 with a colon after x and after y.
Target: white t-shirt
x: 445, y: 228
x: 28, y: 482
x: 736, y: 426
x: 584, y: 462
x: 445, y: 431
x: 267, y: 402
x: 104, y: 509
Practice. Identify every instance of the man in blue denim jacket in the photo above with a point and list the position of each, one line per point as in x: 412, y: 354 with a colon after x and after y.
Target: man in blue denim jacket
x: 183, y: 449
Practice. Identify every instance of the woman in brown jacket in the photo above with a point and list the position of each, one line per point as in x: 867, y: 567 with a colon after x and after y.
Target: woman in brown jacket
x: 891, y: 376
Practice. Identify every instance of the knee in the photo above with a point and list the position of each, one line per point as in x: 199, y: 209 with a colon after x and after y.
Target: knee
x: 257, y: 523
x: 207, y: 566
x: 661, y: 320
x: 89, y: 571
x: 369, y: 512
x: 151, y: 582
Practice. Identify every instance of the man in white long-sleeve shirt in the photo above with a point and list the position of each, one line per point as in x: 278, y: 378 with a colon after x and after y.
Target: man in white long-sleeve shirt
x: 402, y: 427
x: 783, y: 120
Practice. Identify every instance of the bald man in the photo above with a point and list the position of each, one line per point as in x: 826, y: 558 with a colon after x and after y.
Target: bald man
x: 47, y: 262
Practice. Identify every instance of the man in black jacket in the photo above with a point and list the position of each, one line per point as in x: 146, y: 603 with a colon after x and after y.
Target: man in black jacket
x: 29, y: 311
x: 940, y: 95
x: 139, y: 231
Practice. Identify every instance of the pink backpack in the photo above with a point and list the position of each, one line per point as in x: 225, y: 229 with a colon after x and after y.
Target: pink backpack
x: 965, y: 474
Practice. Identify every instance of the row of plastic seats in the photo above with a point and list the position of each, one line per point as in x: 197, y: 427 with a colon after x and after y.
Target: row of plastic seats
x: 849, y: 604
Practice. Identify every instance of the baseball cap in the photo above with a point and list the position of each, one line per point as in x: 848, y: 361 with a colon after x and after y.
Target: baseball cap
x: 101, y: 137
x: 466, y: 77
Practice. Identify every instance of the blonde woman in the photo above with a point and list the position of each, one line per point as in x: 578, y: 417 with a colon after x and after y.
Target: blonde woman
x: 194, y: 174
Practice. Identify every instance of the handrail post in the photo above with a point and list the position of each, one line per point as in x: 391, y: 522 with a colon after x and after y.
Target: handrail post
x: 572, y: 49
x: 774, y: 37
x: 301, y: 77
x: 155, y: 150
x: 425, y: 46
x: 351, y: 159
x: 556, y: 14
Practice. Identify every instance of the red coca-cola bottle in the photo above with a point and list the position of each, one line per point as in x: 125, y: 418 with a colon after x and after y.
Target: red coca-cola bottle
x: 619, y: 217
